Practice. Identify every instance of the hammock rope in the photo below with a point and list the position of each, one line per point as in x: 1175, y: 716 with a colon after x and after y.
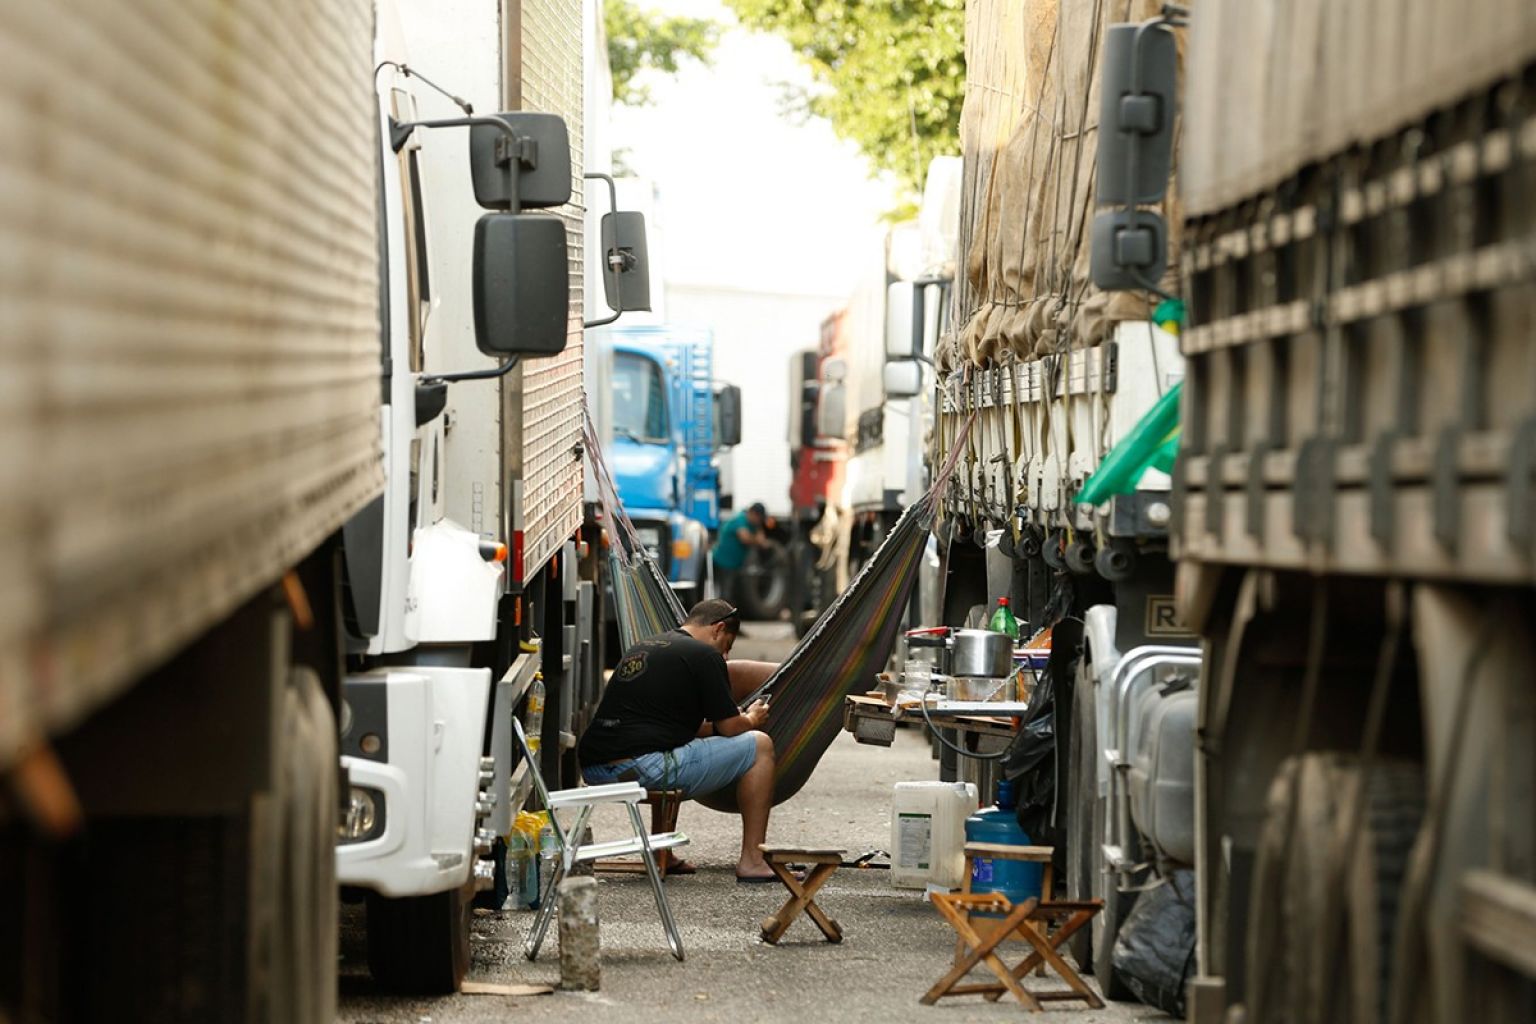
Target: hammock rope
x: 840, y: 655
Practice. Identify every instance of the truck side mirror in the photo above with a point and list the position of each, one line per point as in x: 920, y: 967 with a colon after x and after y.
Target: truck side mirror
x: 540, y: 157
x: 913, y: 313
x: 626, y: 264
x: 903, y: 379
x: 1129, y: 246
x: 903, y: 317
x: 832, y: 411
x: 728, y: 416
x: 1136, y: 108
x: 522, y: 290
x: 1128, y: 250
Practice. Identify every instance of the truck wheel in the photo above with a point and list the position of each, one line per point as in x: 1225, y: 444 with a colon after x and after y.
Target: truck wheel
x: 764, y: 589
x: 1319, y: 956
x: 1082, y: 794
x: 304, y: 942
x: 419, y: 944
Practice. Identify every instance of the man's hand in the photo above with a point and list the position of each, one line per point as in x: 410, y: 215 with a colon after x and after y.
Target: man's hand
x: 752, y: 718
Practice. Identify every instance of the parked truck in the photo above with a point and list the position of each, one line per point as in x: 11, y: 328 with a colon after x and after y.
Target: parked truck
x: 276, y: 492
x: 190, y: 285
x: 669, y: 422
x: 1040, y: 375
x: 475, y: 580
x: 1353, y: 517
x: 867, y: 398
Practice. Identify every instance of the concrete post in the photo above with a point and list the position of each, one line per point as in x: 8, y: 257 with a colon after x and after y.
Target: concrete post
x: 580, y: 963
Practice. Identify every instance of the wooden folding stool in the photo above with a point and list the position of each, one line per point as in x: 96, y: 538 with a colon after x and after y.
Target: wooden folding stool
x: 1043, y: 924
x: 801, y: 894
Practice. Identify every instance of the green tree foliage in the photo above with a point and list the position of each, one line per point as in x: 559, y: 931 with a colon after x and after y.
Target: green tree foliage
x: 642, y: 40
x: 892, y: 72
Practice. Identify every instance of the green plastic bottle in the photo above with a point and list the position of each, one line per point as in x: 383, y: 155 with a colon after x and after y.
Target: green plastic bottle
x: 1003, y: 621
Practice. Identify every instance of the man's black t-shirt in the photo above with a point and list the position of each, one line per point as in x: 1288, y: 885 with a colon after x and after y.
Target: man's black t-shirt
x: 661, y: 692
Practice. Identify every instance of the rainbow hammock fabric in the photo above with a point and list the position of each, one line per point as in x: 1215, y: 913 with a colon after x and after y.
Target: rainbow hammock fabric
x: 841, y: 655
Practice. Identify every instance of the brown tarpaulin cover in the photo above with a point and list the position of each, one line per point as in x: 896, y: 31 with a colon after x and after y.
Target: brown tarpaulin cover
x: 1029, y: 132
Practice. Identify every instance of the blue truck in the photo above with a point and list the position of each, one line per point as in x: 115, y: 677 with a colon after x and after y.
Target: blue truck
x: 667, y: 422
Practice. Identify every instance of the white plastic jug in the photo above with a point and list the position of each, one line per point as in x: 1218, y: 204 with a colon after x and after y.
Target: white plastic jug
x: 928, y: 833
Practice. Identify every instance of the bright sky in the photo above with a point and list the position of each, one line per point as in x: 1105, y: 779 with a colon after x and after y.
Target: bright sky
x: 751, y: 198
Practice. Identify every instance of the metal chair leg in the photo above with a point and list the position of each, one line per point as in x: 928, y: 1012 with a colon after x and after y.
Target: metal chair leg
x: 546, y: 912
x: 673, y: 938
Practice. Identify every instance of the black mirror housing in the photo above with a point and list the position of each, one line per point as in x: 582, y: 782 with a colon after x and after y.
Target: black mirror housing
x: 542, y: 154
x: 1136, y: 118
x: 626, y: 262
x: 522, y: 285
x: 728, y: 407
x: 1129, y: 250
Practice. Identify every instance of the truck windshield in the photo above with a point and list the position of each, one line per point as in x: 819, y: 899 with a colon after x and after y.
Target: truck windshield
x: 639, y: 401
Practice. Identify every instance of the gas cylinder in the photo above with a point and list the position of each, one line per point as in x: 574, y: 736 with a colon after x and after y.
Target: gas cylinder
x: 1018, y: 880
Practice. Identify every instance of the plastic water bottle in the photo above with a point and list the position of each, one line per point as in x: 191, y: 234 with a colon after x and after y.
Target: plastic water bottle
x: 549, y: 851
x: 1003, y: 621
x: 533, y: 722
x: 519, y: 871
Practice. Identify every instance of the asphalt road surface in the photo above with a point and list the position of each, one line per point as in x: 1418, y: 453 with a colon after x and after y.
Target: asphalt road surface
x: 895, y: 944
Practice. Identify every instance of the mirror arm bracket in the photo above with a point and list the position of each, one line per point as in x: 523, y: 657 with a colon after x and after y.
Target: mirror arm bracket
x: 613, y: 206
x: 512, y: 149
x: 449, y: 378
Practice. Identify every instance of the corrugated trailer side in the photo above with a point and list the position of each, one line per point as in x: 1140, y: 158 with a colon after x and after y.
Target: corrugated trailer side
x: 189, y: 408
x: 1355, y: 524
x: 189, y: 350
x: 544, y: 72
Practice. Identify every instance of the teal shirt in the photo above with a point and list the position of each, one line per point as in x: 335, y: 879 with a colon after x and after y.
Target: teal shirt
x: 730, y: 552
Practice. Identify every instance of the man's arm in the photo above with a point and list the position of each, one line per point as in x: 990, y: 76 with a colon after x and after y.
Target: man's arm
x: 755, y: 717
x: 750, y: 537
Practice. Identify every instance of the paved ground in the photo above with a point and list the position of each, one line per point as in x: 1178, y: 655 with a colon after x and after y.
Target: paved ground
x: 895, y: 945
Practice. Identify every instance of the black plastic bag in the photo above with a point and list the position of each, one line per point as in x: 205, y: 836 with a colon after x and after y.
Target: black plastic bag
x: 1155, y: 950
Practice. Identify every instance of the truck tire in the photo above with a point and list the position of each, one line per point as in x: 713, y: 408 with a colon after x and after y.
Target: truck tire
x: 764, y: 586
x: 305, y: 943
x: 181, y: 918
x: 1317, y: 956
x: 1082, y: 793
x: 419, y: 944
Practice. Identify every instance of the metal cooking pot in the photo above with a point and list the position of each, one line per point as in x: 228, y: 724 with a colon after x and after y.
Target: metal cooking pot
x: 981, y: 652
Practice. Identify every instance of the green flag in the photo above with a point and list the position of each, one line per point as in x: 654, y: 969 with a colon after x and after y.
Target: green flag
x: 1153, y: 441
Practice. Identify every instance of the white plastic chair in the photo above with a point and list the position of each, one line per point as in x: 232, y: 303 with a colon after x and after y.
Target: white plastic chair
x: 573, y: 852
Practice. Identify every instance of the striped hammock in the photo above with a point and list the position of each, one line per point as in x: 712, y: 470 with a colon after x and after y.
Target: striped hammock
x: 841, y: 655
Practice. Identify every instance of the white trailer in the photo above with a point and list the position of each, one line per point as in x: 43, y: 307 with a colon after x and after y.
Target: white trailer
x: 484, y: 577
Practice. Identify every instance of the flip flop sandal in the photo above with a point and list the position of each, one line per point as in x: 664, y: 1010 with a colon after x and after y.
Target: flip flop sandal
x: 755, y: 879
x: 682, y: 867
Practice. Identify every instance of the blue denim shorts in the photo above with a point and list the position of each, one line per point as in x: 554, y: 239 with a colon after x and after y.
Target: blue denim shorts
x: 698, y: 767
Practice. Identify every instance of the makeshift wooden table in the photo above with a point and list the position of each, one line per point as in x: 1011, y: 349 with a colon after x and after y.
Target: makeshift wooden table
x: 801, y: 894
x: 1043, y: 923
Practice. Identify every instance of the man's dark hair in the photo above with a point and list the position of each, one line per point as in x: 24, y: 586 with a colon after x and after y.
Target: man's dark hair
x: 762, y: 512
x: 713, y: 612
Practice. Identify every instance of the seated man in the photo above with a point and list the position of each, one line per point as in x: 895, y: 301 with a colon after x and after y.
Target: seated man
x: 668, y: 719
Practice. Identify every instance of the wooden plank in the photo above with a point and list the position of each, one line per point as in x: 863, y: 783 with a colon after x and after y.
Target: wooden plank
x: 825, y: 854
x: 1498, y: 918
x: 998, y: 851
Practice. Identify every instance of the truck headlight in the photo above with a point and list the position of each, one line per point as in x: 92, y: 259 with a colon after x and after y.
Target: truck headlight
x: 363, y: 817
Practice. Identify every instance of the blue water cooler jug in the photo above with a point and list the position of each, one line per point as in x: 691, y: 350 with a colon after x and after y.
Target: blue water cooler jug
x: 1016, y: 879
